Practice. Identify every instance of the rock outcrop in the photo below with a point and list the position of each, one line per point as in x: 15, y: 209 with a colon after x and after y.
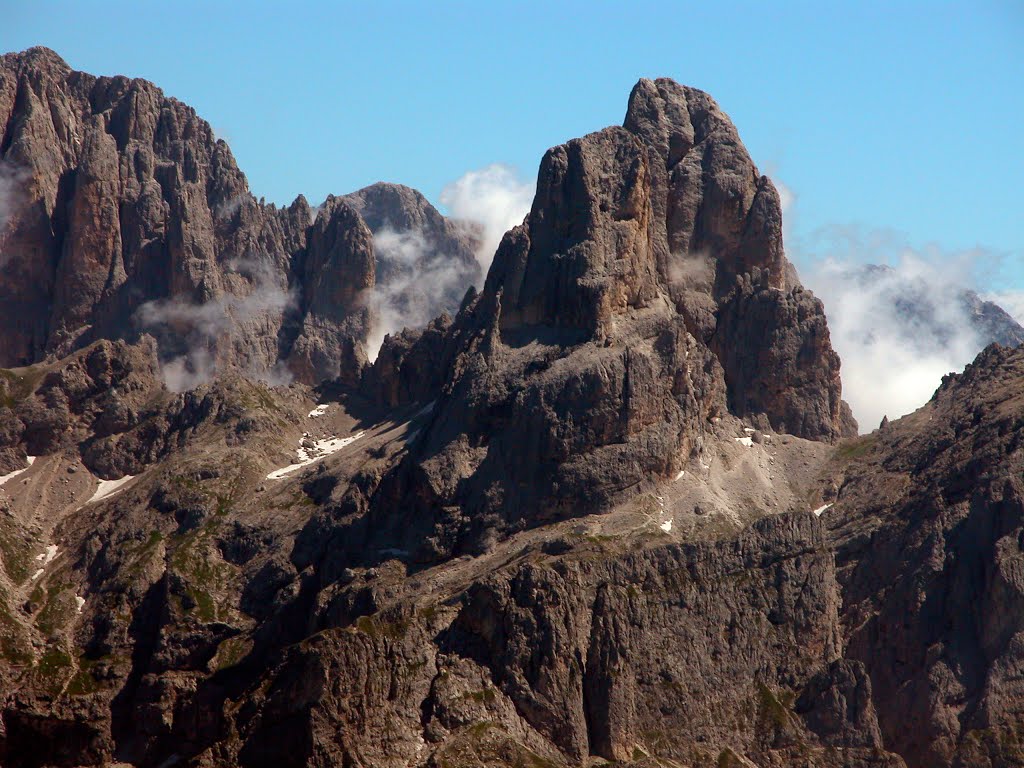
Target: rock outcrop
x: 646, y: 295
x: 994, y: 324
x: 929, y: 530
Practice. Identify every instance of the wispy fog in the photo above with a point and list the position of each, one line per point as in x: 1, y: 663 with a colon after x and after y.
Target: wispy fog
x: 898, y: 330
x: 420, y: 281
x: 203, y: 328
x: 1011, y: 301
x: 897, y: 314
x: 493, y: 199
x: 12, y: 178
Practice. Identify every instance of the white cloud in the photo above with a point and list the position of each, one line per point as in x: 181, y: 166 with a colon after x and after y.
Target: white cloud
x: 900, y: 325
x: 786, y: 195
x: 420, y: 282
x: 898, y: 329
x: 495, y: 199
x: 202, y: 327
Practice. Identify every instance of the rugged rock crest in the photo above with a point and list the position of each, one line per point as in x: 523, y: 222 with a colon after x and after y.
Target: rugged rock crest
x: 645, y: 296
x: 123, y: 213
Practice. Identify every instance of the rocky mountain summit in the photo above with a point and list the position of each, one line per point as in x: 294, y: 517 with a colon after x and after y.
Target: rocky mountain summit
x: 608, y: 508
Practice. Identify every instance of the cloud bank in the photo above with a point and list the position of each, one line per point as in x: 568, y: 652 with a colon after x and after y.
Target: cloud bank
x: 494, y: 199
x: 898, y: 320
x: 898, y: 315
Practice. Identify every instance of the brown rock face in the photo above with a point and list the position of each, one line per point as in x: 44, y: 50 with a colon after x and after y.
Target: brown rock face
x: 929, y: 541
x: 337, y: 277
x: 646, y: 295
x: 121, y: 213
x: 770, y: 336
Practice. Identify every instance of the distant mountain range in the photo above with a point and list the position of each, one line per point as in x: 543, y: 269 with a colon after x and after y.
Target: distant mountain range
x: 918, y: 304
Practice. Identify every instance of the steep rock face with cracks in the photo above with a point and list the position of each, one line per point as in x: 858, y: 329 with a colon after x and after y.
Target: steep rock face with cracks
x: 645, y: 296
x: 124, y: 214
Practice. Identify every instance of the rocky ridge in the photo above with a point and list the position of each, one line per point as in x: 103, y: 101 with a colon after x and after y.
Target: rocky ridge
x: 611, y: 342
x: 124, y: 214
x: 609, y: 509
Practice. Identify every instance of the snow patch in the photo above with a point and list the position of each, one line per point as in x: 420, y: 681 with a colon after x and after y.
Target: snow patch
x: 667, y: 524
x: 310, y: 451
x: 425, y: 409
x: 320, y: 410
x: 47, y: 557
x: 37, y: 574
x: 747, y: 441
x: 749, y: 430
x: 109, y: 488
x: 680, y: 474
x: 79, y: 602
x: 822, y: 508
x: 15, y: 473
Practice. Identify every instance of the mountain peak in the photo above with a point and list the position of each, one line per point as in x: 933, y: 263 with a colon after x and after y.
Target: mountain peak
x: 37, y: 57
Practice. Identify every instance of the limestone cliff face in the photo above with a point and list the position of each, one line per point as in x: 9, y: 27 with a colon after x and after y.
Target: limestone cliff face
x: 122, y: 213
x: 122, y: 196
x: 645, y: 296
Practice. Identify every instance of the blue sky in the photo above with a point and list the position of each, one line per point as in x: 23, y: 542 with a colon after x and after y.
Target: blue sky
x: 897, y: 118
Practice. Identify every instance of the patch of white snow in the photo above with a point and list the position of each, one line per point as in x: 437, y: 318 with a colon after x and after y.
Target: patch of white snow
x: 749, y: 430
x: 679, y: 475
x: 109, y: 488
x: 320, y: 410
x: 425, y: 409
x: 666, y: 526
x: 821, y: 509
x: 47, y: 557
x: 37, y: 574
x: 15, y: 473
x: 747, y: 441
x: 309, y: 452
x: 80, y: 602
